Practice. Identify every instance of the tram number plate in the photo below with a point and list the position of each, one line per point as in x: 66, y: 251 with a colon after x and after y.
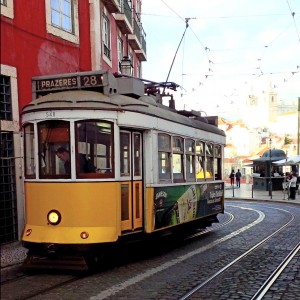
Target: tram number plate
x: 90, y: 80
x: 50, y: 114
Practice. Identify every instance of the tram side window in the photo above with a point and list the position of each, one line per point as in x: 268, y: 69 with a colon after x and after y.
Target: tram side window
x: 200, y: 160
x: 164, y: 157
x: 54, y: 149
x: 218, y: 162
x: 177, y: 159
x: 190, y: 159
x: 29, y: 151
x: 209, y: 160
x: 94, y: 149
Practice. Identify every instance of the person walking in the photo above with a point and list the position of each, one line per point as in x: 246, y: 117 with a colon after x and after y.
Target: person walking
x: 238, y: 176
x: 231, y: 176
x: 293, y: 184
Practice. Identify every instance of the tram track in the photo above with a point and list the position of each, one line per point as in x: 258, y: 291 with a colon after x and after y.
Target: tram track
x: 268, y: 283
x: 45, y: 288
x: 112, y: 292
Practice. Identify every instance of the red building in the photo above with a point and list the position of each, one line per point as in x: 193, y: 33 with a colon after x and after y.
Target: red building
x: 43, y: 37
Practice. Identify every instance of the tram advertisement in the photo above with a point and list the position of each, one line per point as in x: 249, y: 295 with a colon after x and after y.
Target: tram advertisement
x: 179, y: 204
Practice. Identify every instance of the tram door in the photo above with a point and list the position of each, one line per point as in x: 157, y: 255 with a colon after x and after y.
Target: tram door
x: 131, y: 184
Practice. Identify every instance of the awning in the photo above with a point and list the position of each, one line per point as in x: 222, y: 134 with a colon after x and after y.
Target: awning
x: 293, y: 160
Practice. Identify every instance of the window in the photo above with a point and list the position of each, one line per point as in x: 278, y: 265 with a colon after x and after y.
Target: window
x: 209, y: 160
x: 106, y: 37
x: 29, y: 151
x: 190, y: 159
x: 218, y: 162
x: 177, y: 158
x: 5, y: 102
x: 200, y: 160
x: 7, y: 8
x: 124, y: 153
x: 137, y: 148
x: 54, y: 149
x: 61, y: 14
x: 8, y: 193
x: 164, y: 157
x: 120, y: 52
x: 94, y: 156
x: 62, y: 19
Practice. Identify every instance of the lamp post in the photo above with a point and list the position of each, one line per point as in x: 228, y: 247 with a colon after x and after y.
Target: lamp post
x: 270, y: 175
x: 285, y: 190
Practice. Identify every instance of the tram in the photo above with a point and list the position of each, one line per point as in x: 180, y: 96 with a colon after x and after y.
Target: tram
x: 105, y: 162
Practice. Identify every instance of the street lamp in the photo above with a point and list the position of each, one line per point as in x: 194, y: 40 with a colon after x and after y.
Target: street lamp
x: 270, y: 175
x: 126, y: 66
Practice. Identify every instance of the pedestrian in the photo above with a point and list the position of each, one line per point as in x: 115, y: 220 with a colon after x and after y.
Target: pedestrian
x: 231, y: 176
x: 238, y: 176
x: 293, y: 184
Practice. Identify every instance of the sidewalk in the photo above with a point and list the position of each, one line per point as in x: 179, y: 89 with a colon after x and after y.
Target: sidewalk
x: 246, y: 193
x: 14, y: 254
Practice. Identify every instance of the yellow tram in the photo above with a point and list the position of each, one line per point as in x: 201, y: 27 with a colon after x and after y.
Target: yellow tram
x: 106, y: 161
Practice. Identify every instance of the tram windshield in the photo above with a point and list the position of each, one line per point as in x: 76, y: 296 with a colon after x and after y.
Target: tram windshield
x: 54, y: 149
x: 94, y: 148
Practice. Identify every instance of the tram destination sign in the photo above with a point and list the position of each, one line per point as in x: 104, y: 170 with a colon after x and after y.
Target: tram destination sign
x: 80, y: 81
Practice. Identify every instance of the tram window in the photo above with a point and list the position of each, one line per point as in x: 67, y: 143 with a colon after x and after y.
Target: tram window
x: 94, y: 149
x: 218, y: 162
x: 54, y: 147
x: 217, y: 151
x: 190, y: 159
x: 177, y: 159
x: 137, y: 154
x: 164, y: 157
x: 29, y: 151
x: 209, y: 160
x: 200, y: 160
x: 125, y: 153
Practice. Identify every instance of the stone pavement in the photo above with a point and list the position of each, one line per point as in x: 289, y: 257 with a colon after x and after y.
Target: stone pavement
x: 13, y: 254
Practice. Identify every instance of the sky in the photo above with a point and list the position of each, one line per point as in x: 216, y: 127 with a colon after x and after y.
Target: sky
x: 222, y: 51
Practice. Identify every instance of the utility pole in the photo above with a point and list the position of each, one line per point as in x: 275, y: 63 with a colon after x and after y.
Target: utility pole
x: 298, y: 142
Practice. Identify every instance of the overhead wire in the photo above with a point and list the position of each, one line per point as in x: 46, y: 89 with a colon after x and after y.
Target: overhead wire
x: 207, y: 49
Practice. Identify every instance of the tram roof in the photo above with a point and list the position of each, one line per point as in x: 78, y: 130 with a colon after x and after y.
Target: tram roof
x: 101, y: 90
x: 90, y: 100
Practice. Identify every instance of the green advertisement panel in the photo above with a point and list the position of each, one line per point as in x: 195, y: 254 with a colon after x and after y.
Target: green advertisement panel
x: 179, y: 204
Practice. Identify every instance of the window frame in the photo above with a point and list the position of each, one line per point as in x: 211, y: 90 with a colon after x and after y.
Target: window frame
x: 53, y: 157
x: 96, y: 174
x: 164, y: 154
x: 178, y: 151
x: 191, y: 153
x: 7, y: 9
x: 106, y: 37
x: 72, y: 36
x: 29, y: 144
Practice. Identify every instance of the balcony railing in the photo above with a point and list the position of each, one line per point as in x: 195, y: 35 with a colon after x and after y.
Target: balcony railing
x: 124, y: 18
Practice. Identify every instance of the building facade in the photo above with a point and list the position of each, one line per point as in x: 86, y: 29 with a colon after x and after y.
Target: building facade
x: 45, y: 37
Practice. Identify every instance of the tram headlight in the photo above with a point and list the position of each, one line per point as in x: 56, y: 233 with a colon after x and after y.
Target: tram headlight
x: 54, y: 217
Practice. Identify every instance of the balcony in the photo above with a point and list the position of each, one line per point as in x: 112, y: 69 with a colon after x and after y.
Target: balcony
x: 124, y: 18
x: 135, y: 40
x: 141, y: 54
x: 112, y: 5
